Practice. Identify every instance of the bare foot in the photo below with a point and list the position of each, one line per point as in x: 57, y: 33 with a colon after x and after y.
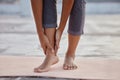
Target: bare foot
x: 49, y: 60
x: 69, y: 63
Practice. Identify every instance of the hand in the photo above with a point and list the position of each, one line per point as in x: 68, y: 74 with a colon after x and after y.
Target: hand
x: 57, y: 39
x: 45, y: 44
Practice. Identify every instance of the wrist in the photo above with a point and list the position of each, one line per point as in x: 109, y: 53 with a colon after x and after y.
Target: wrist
x: 60, y: 29
x: 41, y: 34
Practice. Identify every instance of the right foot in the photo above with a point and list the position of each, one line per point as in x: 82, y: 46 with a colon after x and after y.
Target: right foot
x: 69, y: 63
x: 48, y: 62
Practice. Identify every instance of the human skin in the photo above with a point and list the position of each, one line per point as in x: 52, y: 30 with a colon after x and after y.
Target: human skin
x: 51, y: 38
x: 72, y: 39
x: 37, y: 12
x: 46, y: 36
x: 66, y: 9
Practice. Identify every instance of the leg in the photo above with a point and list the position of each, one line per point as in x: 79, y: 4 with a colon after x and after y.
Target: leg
x: 76, y: 24
x: 51, y: 58
x: 50, y: 19
x: 70, y: 55
x: 37, y: 8
x: 50, y: 23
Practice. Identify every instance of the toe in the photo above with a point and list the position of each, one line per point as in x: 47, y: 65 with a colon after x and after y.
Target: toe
x: 39, y: 70
x: 65, y: 67
x: 72, y: 67
x: 36, y: 69
x: 75, y: 67
x: 68, y: 67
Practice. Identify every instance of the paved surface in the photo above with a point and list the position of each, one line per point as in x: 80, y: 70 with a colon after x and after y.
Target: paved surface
x: 101, y: 39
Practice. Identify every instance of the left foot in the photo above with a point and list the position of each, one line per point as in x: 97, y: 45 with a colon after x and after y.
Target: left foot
x: 69, y: 63
x: 48, y: 62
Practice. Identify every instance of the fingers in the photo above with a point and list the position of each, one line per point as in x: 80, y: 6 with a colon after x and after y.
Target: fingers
x: 44, y: 49
x: 49, y: 46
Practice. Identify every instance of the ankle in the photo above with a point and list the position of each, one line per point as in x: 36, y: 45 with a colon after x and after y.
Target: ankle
x: 70, y: 55
x: 51, y: 54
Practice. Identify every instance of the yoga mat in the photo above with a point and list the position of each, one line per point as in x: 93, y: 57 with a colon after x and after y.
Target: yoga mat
x: 88, y: 68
